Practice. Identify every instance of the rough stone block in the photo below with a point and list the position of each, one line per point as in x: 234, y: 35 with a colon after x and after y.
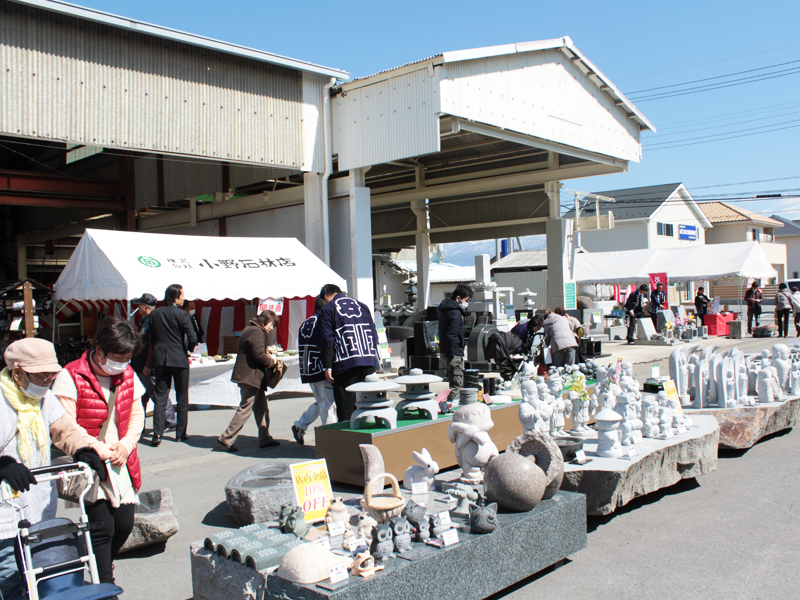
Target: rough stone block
x: 156, y: 520
x: 217, y: 578
x: 743, y: 426
x: 613, y: 482
x: 256, y: 494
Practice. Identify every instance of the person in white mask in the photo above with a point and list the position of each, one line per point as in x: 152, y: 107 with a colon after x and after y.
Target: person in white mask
x: 102, y: 394
x: 31, y: 418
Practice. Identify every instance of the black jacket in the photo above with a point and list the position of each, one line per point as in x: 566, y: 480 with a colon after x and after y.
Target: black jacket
x: 451, y: 328
x: 701, y: 304
x: 634, y: 303
x: 140, y: 360
x: 168, y: 326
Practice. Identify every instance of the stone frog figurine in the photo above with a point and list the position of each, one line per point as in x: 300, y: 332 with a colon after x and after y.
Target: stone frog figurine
x: 294, y: 522
x: 382, y: 545
x: 482, y: 519
x: 365, y: 525
x: 337, y: 511
x: 401, y: 529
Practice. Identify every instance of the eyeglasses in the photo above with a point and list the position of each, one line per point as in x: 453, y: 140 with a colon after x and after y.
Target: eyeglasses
x: 41, y: 378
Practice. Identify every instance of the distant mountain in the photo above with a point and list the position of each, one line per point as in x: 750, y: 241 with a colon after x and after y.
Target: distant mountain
x: 463, y: 253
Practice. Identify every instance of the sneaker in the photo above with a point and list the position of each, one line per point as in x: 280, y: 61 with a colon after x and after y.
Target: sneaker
x: 299, y: 435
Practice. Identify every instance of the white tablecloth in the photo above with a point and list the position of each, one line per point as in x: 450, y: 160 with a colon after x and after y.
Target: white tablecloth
x: 211, y: 385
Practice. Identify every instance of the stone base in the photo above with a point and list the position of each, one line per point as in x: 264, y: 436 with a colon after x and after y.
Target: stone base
x: 476, y: 567
x: 255, y: 495
x: 613, y: 482
x: 743, y: 426
x: 156, y: 520
x: 616, y: 332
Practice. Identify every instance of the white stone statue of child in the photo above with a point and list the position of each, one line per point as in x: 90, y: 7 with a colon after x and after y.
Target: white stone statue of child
x: 534, y: 414
x: 580, y: 416
x: 794, y: 379
x: 650, y: 427
x: 557, y: 419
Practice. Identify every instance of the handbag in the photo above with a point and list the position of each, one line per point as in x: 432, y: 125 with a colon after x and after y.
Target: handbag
x: 274, y: 374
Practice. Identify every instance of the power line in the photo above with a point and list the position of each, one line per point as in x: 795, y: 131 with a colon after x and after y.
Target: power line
x: 694, y: 143
x: 663, y: 135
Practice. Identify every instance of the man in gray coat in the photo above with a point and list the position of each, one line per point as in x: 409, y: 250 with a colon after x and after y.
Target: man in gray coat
x: 560, y: 337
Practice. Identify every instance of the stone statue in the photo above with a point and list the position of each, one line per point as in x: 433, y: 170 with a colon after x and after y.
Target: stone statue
x: 425, y: 471
x: 726, y: 385
x: 794, y: 379
x: 474, y: 448
x: 701, y: 383
x: 694, y: 362
x: 534, y: 414
x: 557, y: 419
x: 555, y: 384
x: 679, y: 373
x: 580, y: 416
x: 764, y: 386
x: 714, y: 361
x: 607, y: 435
x: 650, y: 417
x: 782, y: 364
x: 623, y: 408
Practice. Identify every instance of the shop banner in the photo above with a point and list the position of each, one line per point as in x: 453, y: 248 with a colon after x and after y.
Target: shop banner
x: 273, y: 304
x: 617, y: 294
x: 312, y: 488
x: 655, y: 279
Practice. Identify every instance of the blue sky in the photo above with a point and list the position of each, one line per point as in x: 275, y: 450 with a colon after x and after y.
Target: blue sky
x: 639, y: 45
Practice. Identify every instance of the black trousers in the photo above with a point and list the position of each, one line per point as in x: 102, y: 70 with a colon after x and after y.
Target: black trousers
x: 797, y: 324
x: 631, y: 335
x: 149, y: 382
x: 165, y: 376
x: 752, y: 311
x: 346, y: 401
x: 116, y: 526
x: 782, y: 321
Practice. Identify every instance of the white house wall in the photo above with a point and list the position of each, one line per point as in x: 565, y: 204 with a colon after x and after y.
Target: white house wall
x: 64, y: 78
x: 724, y: 233
x: 388, y: 120
x: 675, y: 212
x: 629, y: 235
x: 792, y: 255
x: 542, y: 94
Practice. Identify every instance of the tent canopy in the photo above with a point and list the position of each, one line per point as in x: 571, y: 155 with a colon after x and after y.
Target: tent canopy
x: 121, y: 265
x: 711, y: 262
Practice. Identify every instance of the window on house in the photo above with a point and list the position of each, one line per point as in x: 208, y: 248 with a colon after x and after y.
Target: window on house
x: 795, y: 274
x: 664, y: 229
x: 756, y: 235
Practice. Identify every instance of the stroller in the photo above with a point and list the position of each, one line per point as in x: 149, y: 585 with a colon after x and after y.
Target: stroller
x: 55, y: 554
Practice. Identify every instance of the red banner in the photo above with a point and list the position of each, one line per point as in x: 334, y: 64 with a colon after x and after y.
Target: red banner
x: 655, y: 279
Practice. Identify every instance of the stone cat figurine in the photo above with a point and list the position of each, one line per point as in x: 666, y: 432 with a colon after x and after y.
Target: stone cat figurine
x: 482, y: 519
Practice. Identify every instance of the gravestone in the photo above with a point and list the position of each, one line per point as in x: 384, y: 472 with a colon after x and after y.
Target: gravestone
x: 645, y: 329
x: 664, y: 317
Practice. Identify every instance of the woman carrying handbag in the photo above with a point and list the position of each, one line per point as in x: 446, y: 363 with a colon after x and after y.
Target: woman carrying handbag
x: 783, y: 308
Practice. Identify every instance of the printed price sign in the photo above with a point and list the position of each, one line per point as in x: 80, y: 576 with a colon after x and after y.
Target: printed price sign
x: 336, y: 528
x: 444, y: 518
x: 450, y: 537
x: 325, y: 542
x: 338, y: 573
x: 681, y: 429
x: 689, y: 422
x: 356, y: 544
x: 637, y: 437
x: 669, y: 433
x: 312, y: 488
x: 420, y: 487
x: 580, y: 456
x: 631, y: 453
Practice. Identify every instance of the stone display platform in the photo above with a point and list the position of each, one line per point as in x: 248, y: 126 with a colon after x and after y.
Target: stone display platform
x: 479, y: 565
x: 610, y: 483
x: 742, y: 427
x: 339, y: 445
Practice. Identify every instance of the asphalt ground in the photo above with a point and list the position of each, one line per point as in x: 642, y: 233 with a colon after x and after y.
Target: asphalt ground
x: 732, y: 533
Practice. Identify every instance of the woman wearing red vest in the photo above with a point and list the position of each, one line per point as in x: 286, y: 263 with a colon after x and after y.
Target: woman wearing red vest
x: 102, y: 394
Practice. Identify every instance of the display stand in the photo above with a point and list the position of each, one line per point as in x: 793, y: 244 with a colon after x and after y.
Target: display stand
x: 476, y: 567
x: 743, y: 426
x: 339, y: 444
x: 610, y: 483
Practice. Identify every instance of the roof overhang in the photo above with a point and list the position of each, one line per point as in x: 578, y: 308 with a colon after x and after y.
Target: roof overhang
x: 98, y: 16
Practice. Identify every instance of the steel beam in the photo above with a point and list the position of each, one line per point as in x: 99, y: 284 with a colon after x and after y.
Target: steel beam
x: 18, y: 181
x: 73, y: 203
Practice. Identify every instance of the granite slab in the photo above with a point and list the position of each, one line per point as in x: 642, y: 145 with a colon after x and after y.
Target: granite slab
x: 743, y: 426
x: 476, y: 567
x: 610, y: 483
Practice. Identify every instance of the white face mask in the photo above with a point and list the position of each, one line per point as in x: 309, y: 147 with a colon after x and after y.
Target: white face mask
x: 34, y: 391
x: 464, y: 305
x: 113, y: 367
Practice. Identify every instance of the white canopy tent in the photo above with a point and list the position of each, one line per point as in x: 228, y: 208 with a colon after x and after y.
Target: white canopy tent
x: 120, y: 265
x: 712, y: 262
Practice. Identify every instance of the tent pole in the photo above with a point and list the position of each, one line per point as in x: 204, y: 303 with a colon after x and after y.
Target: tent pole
x: 54, y: 320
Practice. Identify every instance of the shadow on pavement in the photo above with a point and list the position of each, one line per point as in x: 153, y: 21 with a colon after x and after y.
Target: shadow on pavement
x: 528, y: 580
x: 739, y: 452
x: 144, y: 552
x: 593, y: 522
x: 220, y: 516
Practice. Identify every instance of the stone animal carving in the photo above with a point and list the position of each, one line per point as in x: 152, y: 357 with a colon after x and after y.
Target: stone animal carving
x: 424, y: 472
x: 482, y: 519
x: 293, y: 522
x: 365, y: 526
x: 416, y: 516
x: 337, y: 511
x: 437, y: 529
x: 382, y: 544
x: 474, y: 448
x: 401, y: 530
x: 364, y: 565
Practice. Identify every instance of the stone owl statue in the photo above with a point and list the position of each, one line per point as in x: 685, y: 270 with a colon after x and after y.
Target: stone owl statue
x: 382, y: 543
x: 401, y: 529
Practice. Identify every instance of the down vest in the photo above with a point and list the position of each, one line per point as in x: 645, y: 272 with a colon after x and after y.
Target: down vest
x: 91, y: 408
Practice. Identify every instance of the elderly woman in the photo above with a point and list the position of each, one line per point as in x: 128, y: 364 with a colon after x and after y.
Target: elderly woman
x: 102, y: 395
x: 31, y: 418
x: 252, y: 357
x: 559, y: 336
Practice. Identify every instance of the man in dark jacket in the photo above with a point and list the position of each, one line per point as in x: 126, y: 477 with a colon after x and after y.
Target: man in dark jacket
x: 191, y: 309
x: 658, y: 301
x: 169, y: 326
x: 147, y: 303
x: 450, y: 313
x: 701, y: 305
x: 309, y: 345
x: 252, y: 357
x: 350, y: 345
x: 634, y: 306
x: 754, y: 298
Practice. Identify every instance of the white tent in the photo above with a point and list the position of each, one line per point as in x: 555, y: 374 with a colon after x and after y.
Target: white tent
x: 121, y: 265
x: 712, y: 262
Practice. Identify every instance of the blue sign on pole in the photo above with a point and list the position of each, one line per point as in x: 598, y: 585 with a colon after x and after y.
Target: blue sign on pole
x: 687, y: 232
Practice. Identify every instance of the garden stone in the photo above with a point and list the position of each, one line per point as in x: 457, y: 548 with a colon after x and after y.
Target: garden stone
x: 256, y: 494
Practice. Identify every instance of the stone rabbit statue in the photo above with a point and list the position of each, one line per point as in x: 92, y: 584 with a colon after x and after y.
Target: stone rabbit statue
x: 423, y: 472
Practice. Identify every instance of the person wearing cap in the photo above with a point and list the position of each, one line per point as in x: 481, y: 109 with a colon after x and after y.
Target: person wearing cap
x: 31, y: 418
x: 102, y: 395
x: 146, y: 304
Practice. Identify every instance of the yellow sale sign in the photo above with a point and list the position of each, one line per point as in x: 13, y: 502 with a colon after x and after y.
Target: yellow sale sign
x: 672, y: 393
x: 312, y: 488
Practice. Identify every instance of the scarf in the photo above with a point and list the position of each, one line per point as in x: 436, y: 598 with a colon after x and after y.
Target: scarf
x: 30, y: 424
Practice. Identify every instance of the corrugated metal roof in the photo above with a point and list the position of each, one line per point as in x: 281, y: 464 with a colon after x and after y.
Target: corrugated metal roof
x: 789, y: 227
x: 441, y: 272
x: 631, y: 203
x: 522, y: 259
x: 722, y: 212
x: 91, y: 14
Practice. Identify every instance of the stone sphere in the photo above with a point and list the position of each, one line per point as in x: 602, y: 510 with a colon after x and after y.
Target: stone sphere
x: 545, y: 453
x: 514, y: 482
x: 308, y: 563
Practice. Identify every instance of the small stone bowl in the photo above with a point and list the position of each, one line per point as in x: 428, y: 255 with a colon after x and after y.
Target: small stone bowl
x: 568, y: 446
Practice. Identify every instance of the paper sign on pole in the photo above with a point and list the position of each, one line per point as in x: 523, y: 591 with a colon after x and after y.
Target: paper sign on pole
x: 273, y: 304
x: 312, y: 488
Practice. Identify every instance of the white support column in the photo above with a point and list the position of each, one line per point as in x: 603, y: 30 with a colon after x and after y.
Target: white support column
x: 351, y: 246
x: 317, y: 238
x: 423, y: 241
x: 559, y: 250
